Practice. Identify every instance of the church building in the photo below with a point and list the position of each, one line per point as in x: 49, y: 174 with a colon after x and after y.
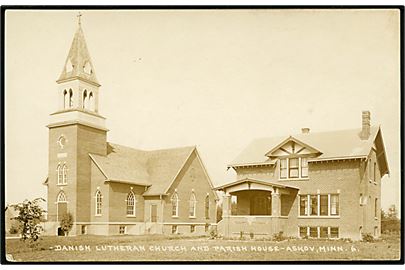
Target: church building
x: 308, y: 185
x: 110, y: 189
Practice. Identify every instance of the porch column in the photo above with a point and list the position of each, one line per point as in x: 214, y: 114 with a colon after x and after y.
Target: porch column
x: 226, y: 205
x: 275, y: 203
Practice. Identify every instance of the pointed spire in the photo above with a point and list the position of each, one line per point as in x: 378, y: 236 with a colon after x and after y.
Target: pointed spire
x: 78, y: 62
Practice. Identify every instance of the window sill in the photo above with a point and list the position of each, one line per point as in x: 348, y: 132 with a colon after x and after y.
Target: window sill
x: 320, y: 217
x: 193, y: 217
x: 98, y: 215
x: 61, y: 185
x: 175, y: 216
x: 294, y: 179
x: 131, y: 216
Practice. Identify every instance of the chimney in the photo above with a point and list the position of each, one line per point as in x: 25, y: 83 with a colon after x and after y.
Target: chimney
x: 305, y: 130
x: 365, y: 126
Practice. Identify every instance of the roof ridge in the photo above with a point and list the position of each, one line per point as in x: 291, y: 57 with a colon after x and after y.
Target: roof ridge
x: 154, y: 150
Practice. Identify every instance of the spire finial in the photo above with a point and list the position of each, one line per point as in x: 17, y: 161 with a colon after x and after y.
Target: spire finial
x: 79, y: 16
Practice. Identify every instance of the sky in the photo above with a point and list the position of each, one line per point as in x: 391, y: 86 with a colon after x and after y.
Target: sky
x: 216, y: 79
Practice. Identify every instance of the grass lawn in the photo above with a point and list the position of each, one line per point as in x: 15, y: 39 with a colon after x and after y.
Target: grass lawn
x: 158, y: 247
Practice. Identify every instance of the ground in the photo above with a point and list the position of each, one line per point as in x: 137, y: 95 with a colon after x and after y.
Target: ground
x: 158, y: 247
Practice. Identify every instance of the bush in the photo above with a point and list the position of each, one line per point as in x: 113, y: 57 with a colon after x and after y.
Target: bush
x: 367, y: 237
x: 14, y: 229
x: 213, y: 233
x: 279, y: 236
x: 252, y: 235
x: 66, y: 223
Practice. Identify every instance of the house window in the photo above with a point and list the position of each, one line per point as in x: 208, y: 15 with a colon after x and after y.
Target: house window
x: 334, y: 232
x: 283, y: 168
x: 175, y: 205
x: 303, y: 205
x: 334, y: 204
x: 207, y: 206
x: 174, y: 228
x: 313, y: 199
x: 375, y: 231
x: 313, y: 232
x: 375, y: 208
x: 131, y: 204
x: 192, y: 228
x: 303, y: 232
x: 84, y: 229
x: 122, y: 229
x: 323, y: 205
x: 206, y: 227
x: 293, y: 168
x: 323, y: 232
x: 60, y: 175
x: 361, y: 199
x: 193, y: 203
x: 98, y: 203
x: 304, y: 167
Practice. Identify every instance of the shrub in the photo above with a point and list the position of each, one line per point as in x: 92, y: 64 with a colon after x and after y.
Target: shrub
x: 279, y: 236
x: 66, y: 223
x: 29, y: 216
x: 14, y: 229
x: 213, y: 233
x: 252, y: 235
x: 367, y: 237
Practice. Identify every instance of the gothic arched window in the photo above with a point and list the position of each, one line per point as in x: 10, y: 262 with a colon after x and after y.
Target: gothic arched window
x: 207, y: 206
x: 193, y: 203
x: 99, y: 202
x: 175, y: 205
x: 60, y: 174
x: 61, y: 197
x: 131, y: 204
x: 64, y: 174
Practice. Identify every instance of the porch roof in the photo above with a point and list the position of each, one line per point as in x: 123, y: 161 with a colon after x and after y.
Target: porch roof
x: 257, y: 181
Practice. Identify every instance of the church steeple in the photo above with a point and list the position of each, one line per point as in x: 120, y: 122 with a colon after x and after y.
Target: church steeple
x: 78, y: 63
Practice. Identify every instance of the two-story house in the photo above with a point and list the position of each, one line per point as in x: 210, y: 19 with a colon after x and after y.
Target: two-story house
x: 317, y: 185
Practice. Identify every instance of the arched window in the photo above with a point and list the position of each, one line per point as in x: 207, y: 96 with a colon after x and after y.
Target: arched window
x: 60, y: 175
x: 91, y: 101
x: 207, y: 206
x: 64, y: 174
x: 70, y: 98
x: 61, y: 197
x: 193, y: 203
x: 65, y: 99
x: 175, y: 205
x: 131, y: 204
x: 84, y: 105
x: 99, y: 202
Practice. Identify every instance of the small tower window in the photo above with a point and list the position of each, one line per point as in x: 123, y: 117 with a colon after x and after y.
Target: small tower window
x: 91, y: 102
x: 99, y: 202
x: 65, y: 99
x: 70, y: 98
x: 84, y: 105
x: 61, y: 197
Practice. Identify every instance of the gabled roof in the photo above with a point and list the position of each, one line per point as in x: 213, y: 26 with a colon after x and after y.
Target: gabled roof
x: 253, y: 180
x: 332, y: 145
x: 155, y: 169
x: 289, y: 139
x: 78, y: 62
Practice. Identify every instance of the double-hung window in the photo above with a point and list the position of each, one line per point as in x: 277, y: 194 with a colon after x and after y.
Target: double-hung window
x: 292, y: 168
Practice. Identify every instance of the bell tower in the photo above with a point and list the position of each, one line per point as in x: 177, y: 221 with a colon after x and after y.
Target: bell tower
x: 75, y: 130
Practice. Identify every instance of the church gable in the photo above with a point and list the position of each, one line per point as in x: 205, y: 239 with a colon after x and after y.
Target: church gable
x: 292, y: 146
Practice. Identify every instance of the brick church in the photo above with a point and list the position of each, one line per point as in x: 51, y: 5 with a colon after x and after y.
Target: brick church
x: 111, y: 189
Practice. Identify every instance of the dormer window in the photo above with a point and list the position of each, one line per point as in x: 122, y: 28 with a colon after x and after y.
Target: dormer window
x: 294, y: 168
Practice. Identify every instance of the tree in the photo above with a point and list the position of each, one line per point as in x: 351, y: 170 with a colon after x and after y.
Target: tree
x: 66, y: 223
x: 390, y: 221
x: 29, y: 217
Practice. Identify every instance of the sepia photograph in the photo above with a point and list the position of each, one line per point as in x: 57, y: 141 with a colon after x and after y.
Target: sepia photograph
x: 202, y: 135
